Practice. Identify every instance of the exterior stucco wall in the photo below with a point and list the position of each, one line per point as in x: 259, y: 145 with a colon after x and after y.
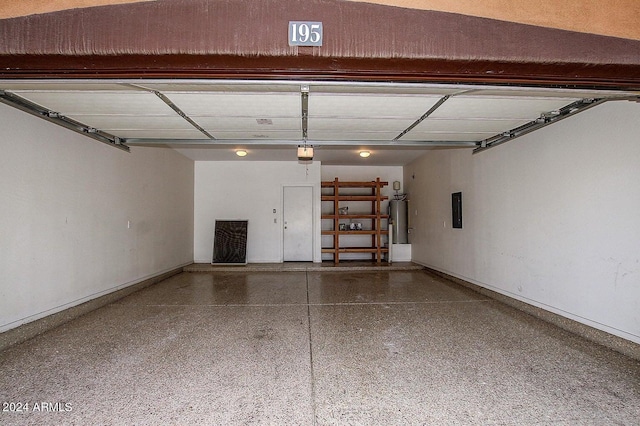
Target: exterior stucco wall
x: 620, y: 18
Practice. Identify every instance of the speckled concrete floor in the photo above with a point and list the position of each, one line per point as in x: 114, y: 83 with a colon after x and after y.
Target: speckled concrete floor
x: 304, y: 348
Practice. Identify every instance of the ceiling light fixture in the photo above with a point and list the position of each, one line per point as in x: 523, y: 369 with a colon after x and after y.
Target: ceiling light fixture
x: 241, y: 152
x: 365, y: 154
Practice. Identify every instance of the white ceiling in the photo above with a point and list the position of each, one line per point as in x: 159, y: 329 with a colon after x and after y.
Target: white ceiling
x: 209, y: 120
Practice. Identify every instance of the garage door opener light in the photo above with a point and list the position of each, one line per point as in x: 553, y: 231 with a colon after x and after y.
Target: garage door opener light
x: 305, y: 152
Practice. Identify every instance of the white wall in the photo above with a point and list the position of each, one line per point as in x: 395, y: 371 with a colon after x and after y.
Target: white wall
x: 66, y: 201
x: 359, y: 174
x: 550, y: 218
x: 365, y: 173
x: 250, y: 190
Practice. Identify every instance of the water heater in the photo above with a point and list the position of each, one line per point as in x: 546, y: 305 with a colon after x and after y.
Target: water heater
x: 399, y: 218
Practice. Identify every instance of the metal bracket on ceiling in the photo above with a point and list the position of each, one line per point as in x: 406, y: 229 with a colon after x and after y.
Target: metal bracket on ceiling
x: 181, y: 113
x: 304, y: 94
x: 173, y: 106
x: 281, y: 142
x: 545, y: 119
x: 55, y: 117
x: 423, y: 117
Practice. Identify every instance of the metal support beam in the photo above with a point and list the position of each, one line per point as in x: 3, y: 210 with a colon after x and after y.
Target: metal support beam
x: 304, y: 93
x: 544, y: 120
x: 423, y: 117
x: 174, y: 107
x: 315, y: 143
x: 182, y: 114
x: 22, y: 104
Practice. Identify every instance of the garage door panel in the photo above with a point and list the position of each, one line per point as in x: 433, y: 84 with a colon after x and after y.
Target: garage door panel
x: 366, y: 106
x: 222, y: 124
x: 100, y: 103
x: 156, y: 134
x: 497, y: 108
x: 445, y: 136
x: 272, y: 135
x: 250, y: 105
x: 359, y: 124
x: 329, y: 135
x: 133, y: 122
x: 477, y: 126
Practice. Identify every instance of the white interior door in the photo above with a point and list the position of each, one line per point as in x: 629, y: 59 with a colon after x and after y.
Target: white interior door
x: 298, y: 223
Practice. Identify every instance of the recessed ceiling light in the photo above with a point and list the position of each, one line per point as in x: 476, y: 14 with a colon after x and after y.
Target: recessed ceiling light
x: 364, y: 154
x: 241, y: 153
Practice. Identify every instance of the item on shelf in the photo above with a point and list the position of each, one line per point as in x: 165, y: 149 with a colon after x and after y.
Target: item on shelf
x: 342, y: 227
x: 352, y: 226
x: 343, y: 210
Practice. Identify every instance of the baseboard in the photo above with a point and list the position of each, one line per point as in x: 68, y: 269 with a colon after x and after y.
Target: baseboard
x: 616, y: 343
x: 31, y: 329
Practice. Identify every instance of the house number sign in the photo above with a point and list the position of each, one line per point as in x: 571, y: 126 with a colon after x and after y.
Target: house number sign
x: 303, y: 33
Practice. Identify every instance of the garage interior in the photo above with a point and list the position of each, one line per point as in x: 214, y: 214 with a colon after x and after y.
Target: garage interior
x: 120, y: 149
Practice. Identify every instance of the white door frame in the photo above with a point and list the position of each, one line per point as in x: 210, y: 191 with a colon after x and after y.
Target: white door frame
x: 313, y: 218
